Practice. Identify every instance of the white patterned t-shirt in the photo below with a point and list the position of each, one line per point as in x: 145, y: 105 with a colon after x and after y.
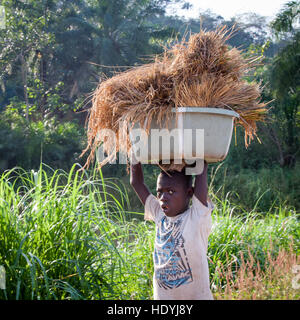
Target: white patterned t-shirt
x: 180, y: 251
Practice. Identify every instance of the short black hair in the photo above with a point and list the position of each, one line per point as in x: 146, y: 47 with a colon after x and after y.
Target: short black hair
x: 186, y: 180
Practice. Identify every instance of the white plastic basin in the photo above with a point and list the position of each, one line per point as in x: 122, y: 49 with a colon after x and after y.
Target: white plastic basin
x: 211, y: 144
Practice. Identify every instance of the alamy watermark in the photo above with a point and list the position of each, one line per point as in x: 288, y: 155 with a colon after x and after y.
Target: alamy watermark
x: 156, y: 146
x: 2, y: 278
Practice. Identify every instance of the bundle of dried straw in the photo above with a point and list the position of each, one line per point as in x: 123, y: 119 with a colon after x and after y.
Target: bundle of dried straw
x: 203, y: 71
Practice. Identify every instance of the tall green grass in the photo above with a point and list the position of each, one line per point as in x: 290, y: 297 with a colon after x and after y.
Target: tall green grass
x: 249, y: 235
x: 66, y: 236
x: 71, y: 235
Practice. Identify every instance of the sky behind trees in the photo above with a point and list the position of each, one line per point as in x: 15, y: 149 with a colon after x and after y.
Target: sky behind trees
x: 230, y: 8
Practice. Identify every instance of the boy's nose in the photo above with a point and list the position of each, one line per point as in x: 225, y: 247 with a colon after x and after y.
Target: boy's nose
x: 164, y: 196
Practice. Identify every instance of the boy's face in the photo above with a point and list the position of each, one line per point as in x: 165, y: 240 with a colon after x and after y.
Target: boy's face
x: 173, y: 195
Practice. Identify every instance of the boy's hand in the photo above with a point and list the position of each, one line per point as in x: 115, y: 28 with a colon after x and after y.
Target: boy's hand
x: 196, y: 168
x: 133, y: 159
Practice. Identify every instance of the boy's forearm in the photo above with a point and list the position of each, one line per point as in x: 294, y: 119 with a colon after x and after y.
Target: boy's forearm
x: 137, y: 182
x: 201, y: 187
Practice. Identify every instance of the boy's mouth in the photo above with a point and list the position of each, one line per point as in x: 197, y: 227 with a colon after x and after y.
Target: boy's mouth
x: 164, y: 207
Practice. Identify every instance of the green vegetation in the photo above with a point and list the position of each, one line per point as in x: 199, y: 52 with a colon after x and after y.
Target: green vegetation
x: 27, y: 144
x: 73, y: 236
x: 65, y: 236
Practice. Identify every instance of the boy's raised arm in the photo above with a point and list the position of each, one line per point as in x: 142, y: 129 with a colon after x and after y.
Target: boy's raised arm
x: 137, y: 182
x: 201, y: 188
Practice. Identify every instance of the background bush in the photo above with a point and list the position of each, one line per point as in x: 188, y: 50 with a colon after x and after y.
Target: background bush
x: 26, y: 144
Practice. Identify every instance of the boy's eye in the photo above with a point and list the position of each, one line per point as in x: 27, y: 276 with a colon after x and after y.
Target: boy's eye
x: 159, y: 194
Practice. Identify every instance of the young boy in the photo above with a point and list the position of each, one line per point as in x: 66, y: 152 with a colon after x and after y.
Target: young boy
x: 180, y: 261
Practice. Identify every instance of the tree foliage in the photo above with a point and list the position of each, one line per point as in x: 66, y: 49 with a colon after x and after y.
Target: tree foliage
x: 285, y: 78
x: 72, y: 42
x: 54, y: 52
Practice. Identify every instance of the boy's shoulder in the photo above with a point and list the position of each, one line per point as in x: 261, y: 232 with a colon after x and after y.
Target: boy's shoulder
x: 198, y: 207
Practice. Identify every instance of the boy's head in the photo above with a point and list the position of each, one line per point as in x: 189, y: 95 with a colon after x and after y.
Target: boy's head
x: 174, y: 191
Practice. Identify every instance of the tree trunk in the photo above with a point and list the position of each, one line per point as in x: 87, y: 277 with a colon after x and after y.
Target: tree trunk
x: 24, y: 80
x: 273, y: 136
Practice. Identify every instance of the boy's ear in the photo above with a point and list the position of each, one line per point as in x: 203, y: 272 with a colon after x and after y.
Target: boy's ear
x: 190, y: 191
